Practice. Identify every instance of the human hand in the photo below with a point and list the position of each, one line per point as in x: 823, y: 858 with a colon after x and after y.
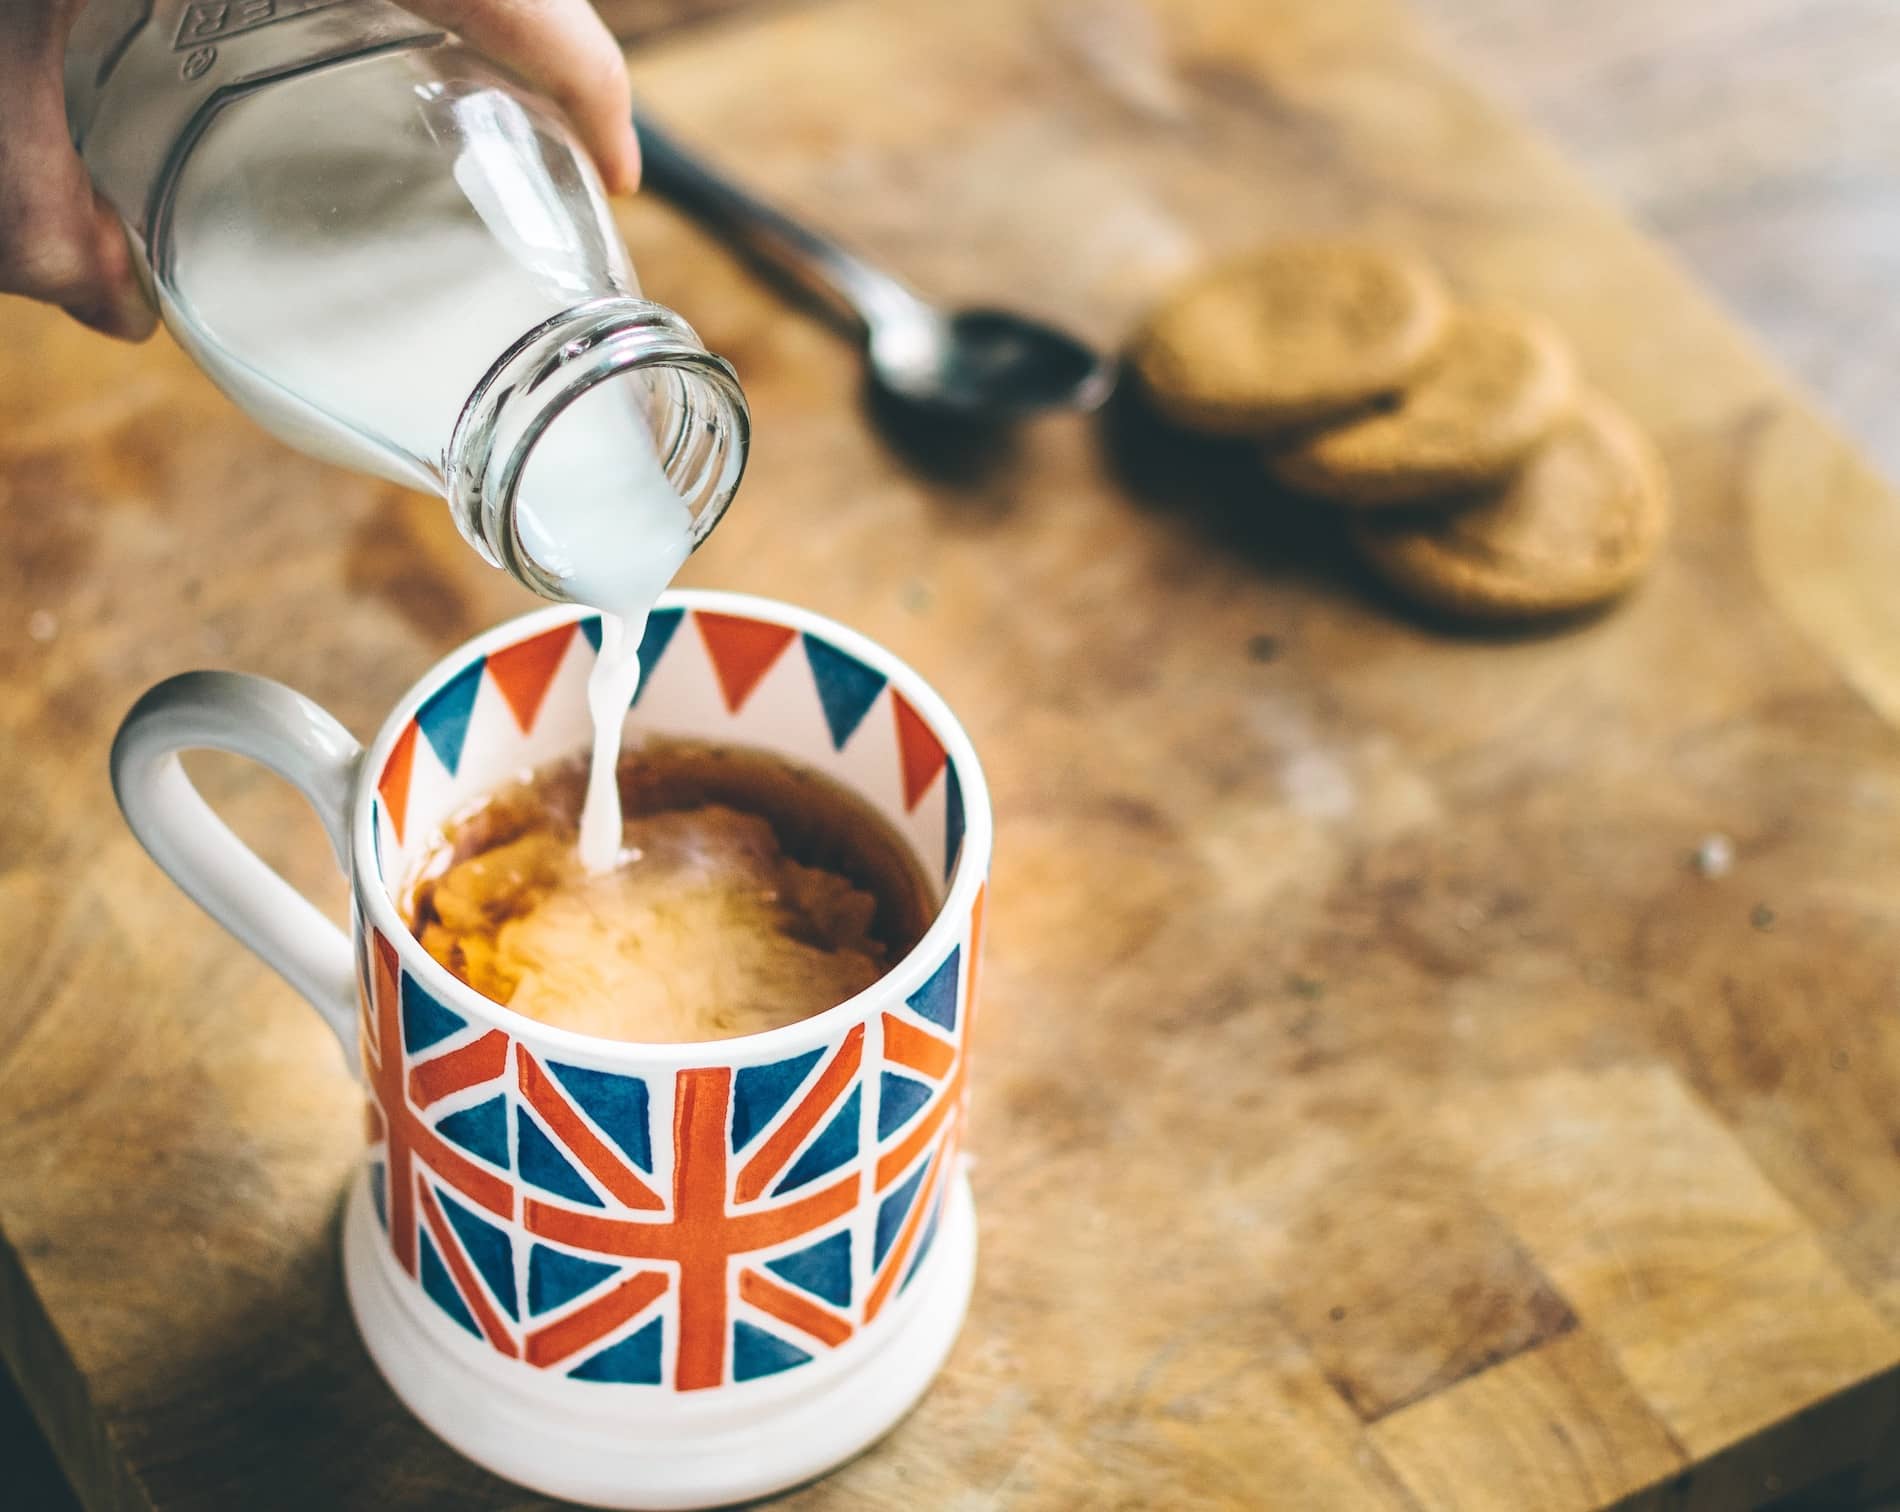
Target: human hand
x: 565, y: 51
x: 61, y: 243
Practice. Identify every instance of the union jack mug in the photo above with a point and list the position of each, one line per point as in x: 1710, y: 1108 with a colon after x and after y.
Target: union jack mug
x: 635, y: 1275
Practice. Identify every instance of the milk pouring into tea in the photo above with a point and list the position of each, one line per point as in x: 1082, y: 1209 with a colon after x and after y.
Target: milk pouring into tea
x: 429, y: 287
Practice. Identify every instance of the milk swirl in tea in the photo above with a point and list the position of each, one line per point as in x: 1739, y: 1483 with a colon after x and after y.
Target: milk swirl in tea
x: 753, y: 892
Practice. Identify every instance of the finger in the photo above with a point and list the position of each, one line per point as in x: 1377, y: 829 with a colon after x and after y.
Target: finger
x: 117, y: 306
x: 564, y: 49
x: 58, y: 241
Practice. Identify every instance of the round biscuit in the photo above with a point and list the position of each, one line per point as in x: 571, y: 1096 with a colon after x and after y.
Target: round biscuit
x: 1575, y: 526
x: 1289, y: 336
x: 1496, y: 386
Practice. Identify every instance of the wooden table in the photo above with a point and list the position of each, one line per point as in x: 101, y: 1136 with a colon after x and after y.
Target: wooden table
x: 1376, y: 1107
x: 1759, y: 140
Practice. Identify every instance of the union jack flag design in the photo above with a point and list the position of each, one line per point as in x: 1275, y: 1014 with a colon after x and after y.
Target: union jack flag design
x: 440, y: 1156
x: 530, y: 1202
x: 760, y: 1197
x: 922, y: 1106
x: 684, y: 1229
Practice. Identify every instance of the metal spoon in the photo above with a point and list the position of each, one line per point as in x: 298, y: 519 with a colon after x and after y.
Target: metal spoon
x: 976, y: 364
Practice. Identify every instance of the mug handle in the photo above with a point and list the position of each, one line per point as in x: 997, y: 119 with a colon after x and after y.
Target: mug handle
x: 300, y: 742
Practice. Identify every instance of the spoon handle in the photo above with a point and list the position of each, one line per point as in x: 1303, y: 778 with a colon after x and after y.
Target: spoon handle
x: 771, y: 237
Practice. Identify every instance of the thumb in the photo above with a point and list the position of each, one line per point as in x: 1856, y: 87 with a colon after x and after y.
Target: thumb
x: 59, y: 242
x: 113, y: 303
x: 564, y: 49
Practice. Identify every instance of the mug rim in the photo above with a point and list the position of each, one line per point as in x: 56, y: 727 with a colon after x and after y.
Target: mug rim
x: 376, y: 904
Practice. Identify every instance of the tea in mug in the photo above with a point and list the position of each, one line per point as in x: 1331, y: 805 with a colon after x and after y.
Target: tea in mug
x: 749, y: 892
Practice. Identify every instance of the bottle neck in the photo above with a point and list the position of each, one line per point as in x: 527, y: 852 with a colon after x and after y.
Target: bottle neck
x: 695, y: 415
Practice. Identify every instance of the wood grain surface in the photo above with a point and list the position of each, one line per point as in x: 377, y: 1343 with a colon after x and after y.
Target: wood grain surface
x: 1760, y: 139
x: 1376, y: 1106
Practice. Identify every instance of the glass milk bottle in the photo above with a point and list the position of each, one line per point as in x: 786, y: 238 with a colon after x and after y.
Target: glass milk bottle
x: 398, y: 259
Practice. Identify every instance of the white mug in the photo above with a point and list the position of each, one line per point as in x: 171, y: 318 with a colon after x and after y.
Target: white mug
x: 634, y: 1275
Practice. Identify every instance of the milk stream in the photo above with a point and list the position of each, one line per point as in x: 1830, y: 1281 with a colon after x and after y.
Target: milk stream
x: 594, y: 507
x: 596, y: 510
x: 360, y: 339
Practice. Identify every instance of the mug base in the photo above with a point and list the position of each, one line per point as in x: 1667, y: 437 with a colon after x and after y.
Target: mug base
x: 630, y: 1455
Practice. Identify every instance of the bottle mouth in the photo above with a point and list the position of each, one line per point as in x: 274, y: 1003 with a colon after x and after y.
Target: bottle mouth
x: 694, y: 413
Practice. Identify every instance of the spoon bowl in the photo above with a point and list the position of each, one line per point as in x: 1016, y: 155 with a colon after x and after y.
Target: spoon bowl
x: 982, y: 364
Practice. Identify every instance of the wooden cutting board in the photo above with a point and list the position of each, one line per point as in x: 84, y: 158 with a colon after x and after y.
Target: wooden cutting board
x: 1376, y: 1107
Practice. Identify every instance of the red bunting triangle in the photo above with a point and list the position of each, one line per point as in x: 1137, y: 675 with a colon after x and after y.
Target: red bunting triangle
x: 524, y: 670
x: 394, y: 783
x: 919, y: 749
x: 742, y: 651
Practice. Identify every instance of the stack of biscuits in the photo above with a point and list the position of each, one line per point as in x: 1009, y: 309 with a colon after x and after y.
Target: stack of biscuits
x: 1479, y: 478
